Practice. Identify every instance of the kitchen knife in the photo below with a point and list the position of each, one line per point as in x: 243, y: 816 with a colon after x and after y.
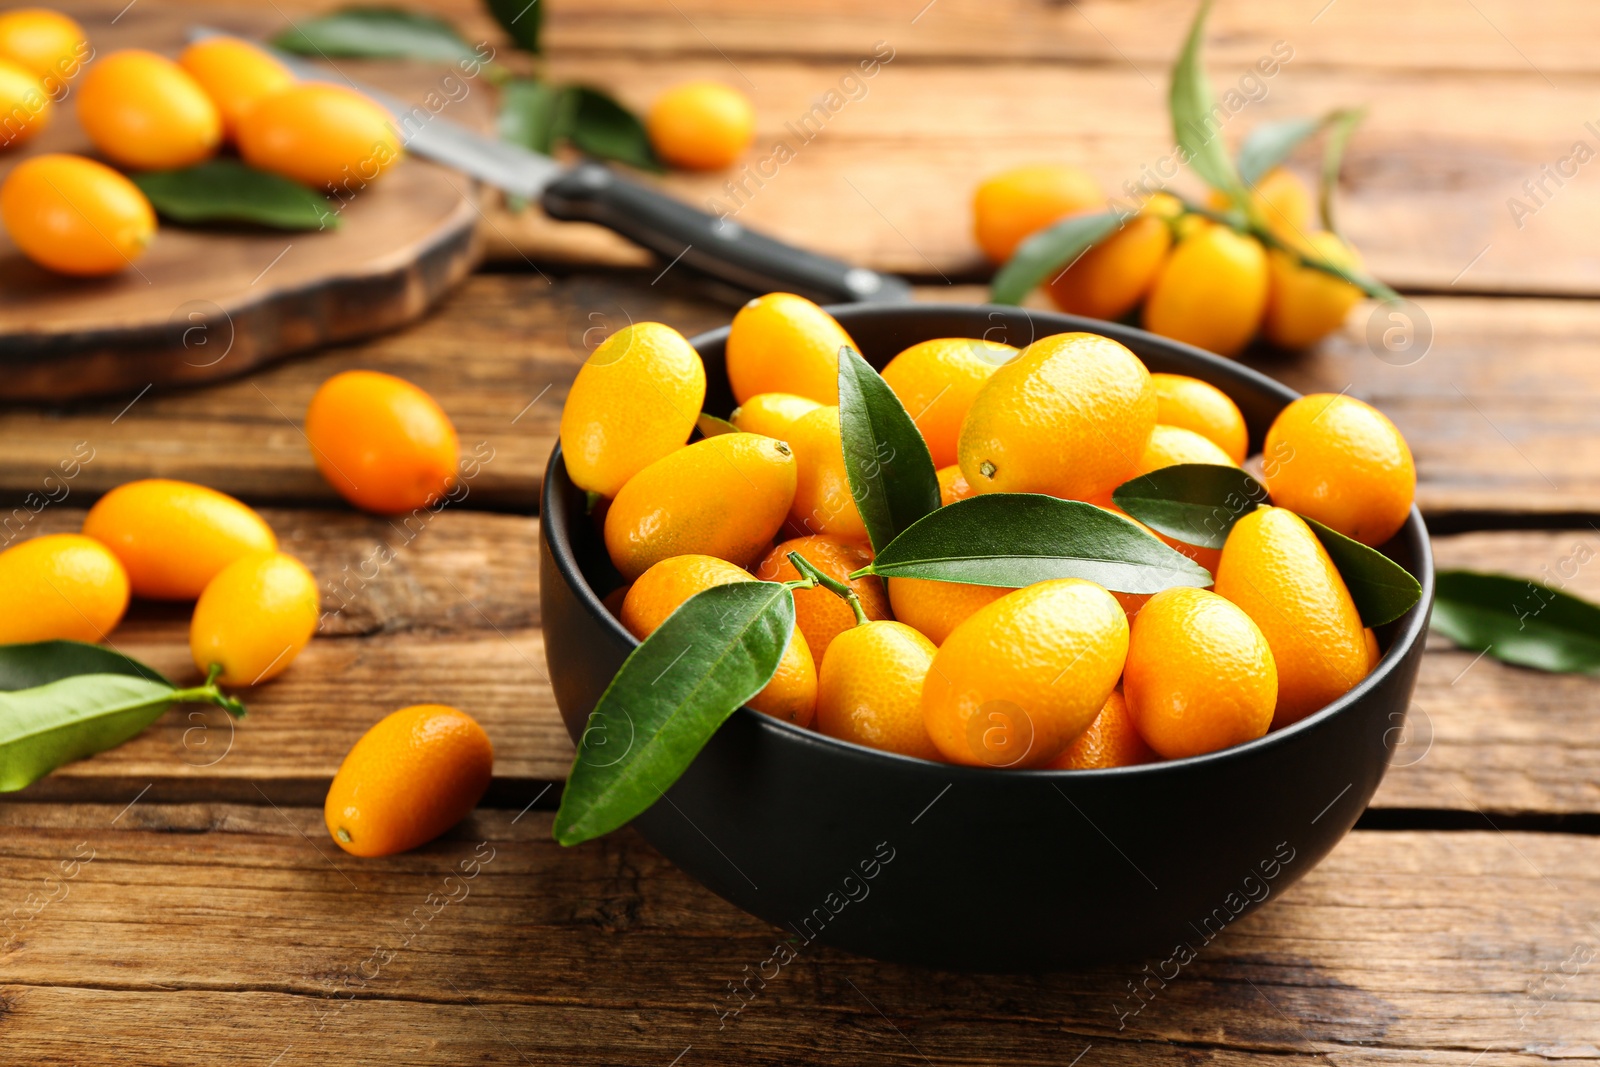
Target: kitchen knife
x: 592, y: 192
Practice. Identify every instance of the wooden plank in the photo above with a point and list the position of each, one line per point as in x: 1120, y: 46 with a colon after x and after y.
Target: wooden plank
x: 888, y: 179
x: 1503, y: 412
x: 247, y: 929
x: 453, y: 617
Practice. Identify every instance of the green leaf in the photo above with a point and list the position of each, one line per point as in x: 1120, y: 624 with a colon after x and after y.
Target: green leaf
x: 604, y: 128
x: 376, y: 32
x: 1191, y: 104
x: 1382, y: 589
x: 1341, y: 125
x: 522, y: 19
x: 1050, y: 251
x: 225, y: 190
x: 1016, y: 539
x: 1271, y: 143
x: 885, y: 458
x: 27, y: 666
x: 1196, y: 503
x: 43, y: 727
x: 532, y: 114
x: 719, y: 649
x: 711, y: 426
x: 1517, y: 621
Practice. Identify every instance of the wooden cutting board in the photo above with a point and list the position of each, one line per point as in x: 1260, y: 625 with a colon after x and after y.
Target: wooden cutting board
x: 214, y: 301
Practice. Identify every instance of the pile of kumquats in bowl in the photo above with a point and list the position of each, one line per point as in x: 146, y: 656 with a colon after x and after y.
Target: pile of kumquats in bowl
x: 1034, y: 558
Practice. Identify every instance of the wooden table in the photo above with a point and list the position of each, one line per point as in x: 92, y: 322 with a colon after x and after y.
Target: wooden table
x: 178, y: 900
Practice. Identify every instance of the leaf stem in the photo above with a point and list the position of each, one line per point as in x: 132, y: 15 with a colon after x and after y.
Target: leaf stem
x: 210, y: 694
x: 1367, y: 284
x: 831, y: 584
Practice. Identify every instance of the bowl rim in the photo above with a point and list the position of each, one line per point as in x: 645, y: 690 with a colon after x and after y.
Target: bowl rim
x: 1412, y: 626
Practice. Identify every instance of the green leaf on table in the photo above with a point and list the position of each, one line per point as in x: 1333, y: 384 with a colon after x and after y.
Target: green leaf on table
x: 377, y: 33
x: 1271, y: 143
x: 886, y: 460
x: 1016, y: 539
x: 1196, y: 503
x: 64, y: 700
x: 1517, y: 621
x: 225, y: 190
x: 719, y: 649
x: 532, y: 113
x: 42, y: 662
x: 522, y: 19
x: 1382, y: 589
x: 1192, y: 107
x: 1341, y: 124
x: 603, y: 128
x: 711, y: 426
x: 1049, y: 252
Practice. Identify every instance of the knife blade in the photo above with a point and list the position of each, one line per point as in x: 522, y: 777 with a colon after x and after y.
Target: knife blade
x: 717, y: 246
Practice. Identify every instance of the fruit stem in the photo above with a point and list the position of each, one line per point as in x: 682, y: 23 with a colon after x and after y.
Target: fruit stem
x: 1369, y: 285
x: 210, y: 694
x: 831, y: 584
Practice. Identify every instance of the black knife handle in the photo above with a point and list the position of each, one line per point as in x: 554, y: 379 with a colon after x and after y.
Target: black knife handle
x: 721, y: 248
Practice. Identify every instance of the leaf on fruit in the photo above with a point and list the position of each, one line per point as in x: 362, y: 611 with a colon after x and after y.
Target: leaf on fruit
x: 1341, y: 124
x: 716, y: 651
x: 1271, y: 143
x: 1196, y: 503
x: 885, y: 457
x: 603, y: 128
x: 1049, y: 252
x: 1016, y: 539
x: 1382, y: 589
x: 1192, y: 105
x: 711, y: 426
x: 1518, y: 621
x: 522, y: 19
x: 376, y: 32
x: 225, y: 190
x: 532, y: 114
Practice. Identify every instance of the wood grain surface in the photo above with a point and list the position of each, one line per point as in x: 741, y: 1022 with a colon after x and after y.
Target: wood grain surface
x: 1500, y: 399
x: 178, y: 900
x: 196, y: 934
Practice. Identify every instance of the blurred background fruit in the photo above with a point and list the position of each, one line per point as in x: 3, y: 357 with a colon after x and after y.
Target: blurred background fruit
x: 701, y: 125
x: 1013, y: 205
x: 75, y: 216
x: 48, y: 44
x: 1110, y: 279
x: 325, y: 136
x: 1211, y: 292
x: 236, y: 75
x: 24, y: 104
x: 145, y: 112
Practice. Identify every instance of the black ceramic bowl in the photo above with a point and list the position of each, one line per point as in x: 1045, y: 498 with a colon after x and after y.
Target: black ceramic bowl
x: 978, y: 868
